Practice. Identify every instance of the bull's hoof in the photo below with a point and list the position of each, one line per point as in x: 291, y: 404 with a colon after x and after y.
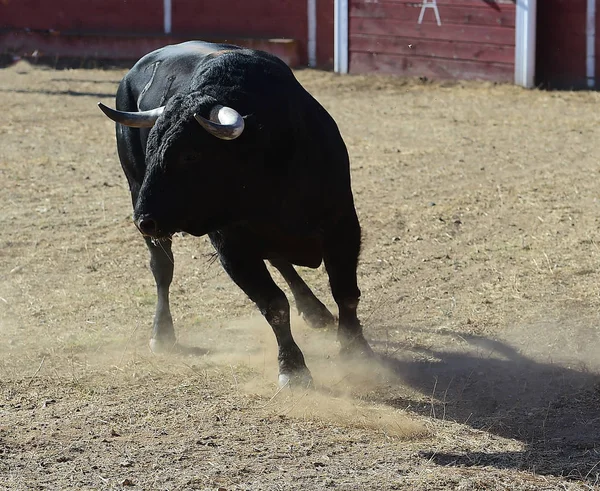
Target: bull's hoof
x: 299, y: 379
x: 318, y: 318
x: 357, y: 347
x: 161, y: 346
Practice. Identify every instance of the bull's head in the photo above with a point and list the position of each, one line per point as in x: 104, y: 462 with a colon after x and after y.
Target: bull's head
x: 224, y: 122
x: 193, y: 182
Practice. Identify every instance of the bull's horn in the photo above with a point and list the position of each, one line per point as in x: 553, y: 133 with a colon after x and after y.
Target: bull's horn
x: 141, y: 119
x: 224, y: 123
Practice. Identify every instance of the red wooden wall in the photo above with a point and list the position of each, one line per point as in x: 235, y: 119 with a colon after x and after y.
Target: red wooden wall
x: 264, y: 18
x: 561, y: 43
x: 325, y: 43
x: 476, y: 39
x: 214, y: 19
x: 83, y: 15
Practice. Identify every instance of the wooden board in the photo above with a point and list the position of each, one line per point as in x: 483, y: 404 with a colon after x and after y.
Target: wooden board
x: 239, y: 17
x: 454, y: 50
x: 259, y: 20
x: 452, y: 13
x: 561, y: 43
x: 475, y: 38
x: 101, y: 47
x: 449, y: 32
x: 76, y: 15
x: 431, y: 68
x: 325, y: 42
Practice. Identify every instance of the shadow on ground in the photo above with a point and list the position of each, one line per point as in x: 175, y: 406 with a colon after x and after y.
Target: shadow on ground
x: 554, y: 409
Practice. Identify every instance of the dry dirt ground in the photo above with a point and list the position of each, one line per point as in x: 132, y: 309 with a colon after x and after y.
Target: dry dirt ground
x: 480, y: 274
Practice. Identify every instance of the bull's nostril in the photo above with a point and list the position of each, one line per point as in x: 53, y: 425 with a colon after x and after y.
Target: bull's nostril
x: 147, y: 226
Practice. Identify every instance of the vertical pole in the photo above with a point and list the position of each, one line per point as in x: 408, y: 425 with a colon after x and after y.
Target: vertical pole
x: 525, y: 34
x: 312, y: 32
x: 167, y: 16
x: 591, y: 44
x: 340, y: 33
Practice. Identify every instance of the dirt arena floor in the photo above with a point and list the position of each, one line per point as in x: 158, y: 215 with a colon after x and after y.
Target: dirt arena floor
x: 480, y: 275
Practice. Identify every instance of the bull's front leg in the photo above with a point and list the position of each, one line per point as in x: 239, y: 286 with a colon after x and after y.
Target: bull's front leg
x: 162, y: 265
x: 252, y: 276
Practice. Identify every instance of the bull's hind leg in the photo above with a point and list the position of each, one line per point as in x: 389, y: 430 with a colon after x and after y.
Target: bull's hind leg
x: 311, y: 308
x: 252, y: 276
x: 341, y: 250
x: 162, y: 265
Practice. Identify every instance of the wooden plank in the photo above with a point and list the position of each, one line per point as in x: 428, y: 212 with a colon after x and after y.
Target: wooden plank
x: 554, y: 7
x: 325, y: 38
x: 475, y: 34
x: 566, y: 46
x: 433, y: 68
x: 432, y: 48
x: 409, y: 12
x: 572, y: 22
x: 250, y: 19
x: 561, y: 42
x: 482, y: 4
x: 278, y: 18
x: 575, y: 64
x: 276, y: 26
x: 558, y: 53
x: 121, y: 47
x: 75, y: 15
x: 556, y: 63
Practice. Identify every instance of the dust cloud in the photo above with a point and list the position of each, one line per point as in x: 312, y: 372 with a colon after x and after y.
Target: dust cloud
x: 343, y: 388
x: 457, y: 376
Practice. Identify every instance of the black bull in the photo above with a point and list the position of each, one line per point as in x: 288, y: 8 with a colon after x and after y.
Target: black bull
x: 220, y: 140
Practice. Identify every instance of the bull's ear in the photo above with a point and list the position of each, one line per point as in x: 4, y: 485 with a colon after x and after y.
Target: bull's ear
x: 141, y: 119
x: 225, y: 123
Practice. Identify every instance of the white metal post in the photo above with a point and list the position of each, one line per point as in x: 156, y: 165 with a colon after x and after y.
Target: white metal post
x: 525, y: 43
x: 591, y: 43
x: 340, y: 33
x: 167, y: 16
x: 312, y: 32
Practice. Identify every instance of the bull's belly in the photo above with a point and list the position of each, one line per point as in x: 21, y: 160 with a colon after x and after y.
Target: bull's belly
x: 269, y: 242
x: 301, y: 251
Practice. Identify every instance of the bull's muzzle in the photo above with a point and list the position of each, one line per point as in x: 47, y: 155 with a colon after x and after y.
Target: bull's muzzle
x: 147, y: 225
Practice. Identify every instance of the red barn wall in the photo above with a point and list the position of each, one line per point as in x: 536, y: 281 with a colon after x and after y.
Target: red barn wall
x: 217, y: 20
x: 561, y: 43
x: 83, y: 15
x: 264, y: 18
x: 476, y: 39
x: 325, y: 21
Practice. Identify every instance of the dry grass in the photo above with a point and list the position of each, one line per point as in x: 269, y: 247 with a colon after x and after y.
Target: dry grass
x: 479, y: 272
